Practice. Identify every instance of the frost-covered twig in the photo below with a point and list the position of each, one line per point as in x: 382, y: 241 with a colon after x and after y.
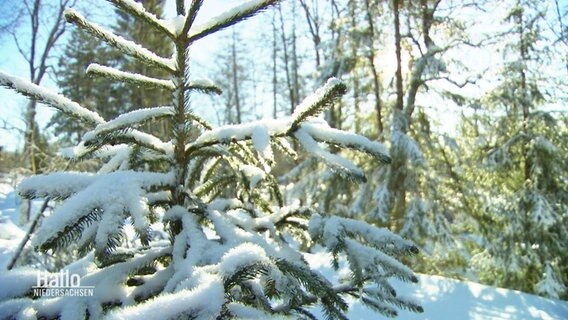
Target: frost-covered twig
x: 136, y: 79
x: 204, y: 85
x: 229, y: 18
x: 28, y: 235
x: 128, y: 47
x: 139, y: 138
x: 191, y: 14
x: 127, y: 120
x: 137, y: 10
x: 314, y: 104
x: 50, y: 98
x: 341, y: 164
x: 324, y: 133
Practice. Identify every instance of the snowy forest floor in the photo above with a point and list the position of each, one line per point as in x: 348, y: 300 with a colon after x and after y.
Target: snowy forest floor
x: 442, y: 298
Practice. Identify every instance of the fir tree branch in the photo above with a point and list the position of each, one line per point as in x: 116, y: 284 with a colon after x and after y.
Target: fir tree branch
x: 127, y: 47
x: 128, y: 120
x: 50, y: 98
x: 191, y: 14
x: 137, y: 10
x: 349, y: 140
x: 127, y: 136
x: 337, y: 162
x: 95, y: 69
x: 229, y: 18
x: 283, y: 145
x: 70, y: 232
x: 192, y: 147
x: 318, y: 289
x: 317, y: 102
x: 205, y: 86
x: 202, y: 122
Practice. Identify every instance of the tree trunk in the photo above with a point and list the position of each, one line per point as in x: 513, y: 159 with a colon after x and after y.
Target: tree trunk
x: 286, y: 61
x: 397, y: 179
x: 295, y: 78
x: 37, y: 63
x: 376, y: 78
x: 524, y: 96
x: 397, y: 38
x: 355, y: 43
x: 274, y: 70
x: 234, y: 75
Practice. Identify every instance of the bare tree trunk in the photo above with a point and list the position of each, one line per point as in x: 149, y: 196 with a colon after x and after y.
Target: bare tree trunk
x: 314, y: 27
x: 296, y: 82
x: 397, y: 178
x: 397, y: 39
x: 274, y: 69
x: 337, y: 58
x: 235, y: 79
x: 375, y: 74
x: 525, y: 105
x: 563, y: 36
x: 286, y: 61
x: 355, y: 43
x: 36, y: 57
x: 403, y: 112
x: 29, y: 137
x: 22, y: 245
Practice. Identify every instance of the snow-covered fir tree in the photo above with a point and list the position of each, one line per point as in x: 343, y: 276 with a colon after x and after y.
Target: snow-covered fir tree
x: 214, y: 237
x: 524, y: 197
x: 407, y: 195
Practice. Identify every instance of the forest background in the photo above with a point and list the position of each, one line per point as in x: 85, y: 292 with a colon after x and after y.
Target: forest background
x: 470, y: 96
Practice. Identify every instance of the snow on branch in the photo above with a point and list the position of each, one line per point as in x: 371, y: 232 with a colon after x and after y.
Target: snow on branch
x: 127, y: 47
x: 324, y: 133
x: 50, y: 98
x: 137, y: 10
x: 343, y: 165
x: 317, y: 102
x: 200, y: 121
x: 112, y: 279
x: 368, y: 258
x: 240, y: 257
x: 239, y: 132
x: 229, y: 18
x: 191, y: 14
x: 408, y: 146
x: 137, y: 79
x: 148, y: 141
x: 128, y: 120
x: 204, y: 85
x: 381, y: 238
x: 359, y: 242
x: 106, y: 198
x: 59, y: 185
x: 202, y: 302
x: 119, y: 155
x: 311, y: 106
x: 126, y: 135
x: 261, y: 142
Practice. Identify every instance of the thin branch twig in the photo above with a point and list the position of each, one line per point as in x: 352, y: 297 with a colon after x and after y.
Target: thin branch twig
x: 28, y: 235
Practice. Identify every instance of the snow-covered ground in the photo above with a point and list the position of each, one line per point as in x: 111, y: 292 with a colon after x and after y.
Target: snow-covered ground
x: 442, y: 298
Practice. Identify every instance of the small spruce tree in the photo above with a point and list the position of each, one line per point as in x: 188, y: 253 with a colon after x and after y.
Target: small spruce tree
x: 214, y: 238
